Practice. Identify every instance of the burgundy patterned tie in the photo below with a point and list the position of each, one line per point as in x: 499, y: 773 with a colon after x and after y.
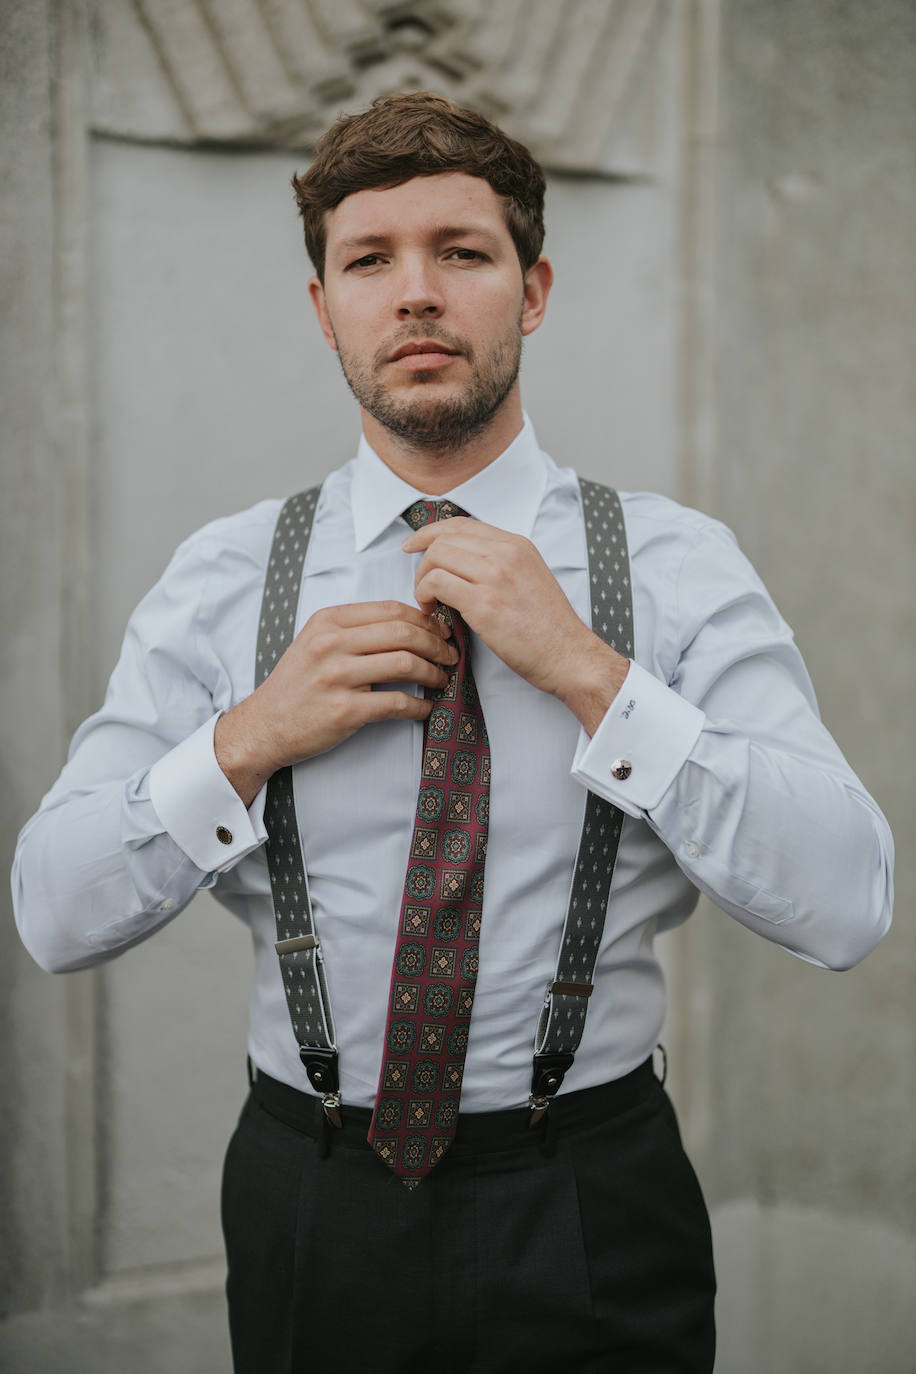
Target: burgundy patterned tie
x: 435, y: 957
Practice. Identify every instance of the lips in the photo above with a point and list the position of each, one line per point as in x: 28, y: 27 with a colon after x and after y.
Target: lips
x: 419, y: 346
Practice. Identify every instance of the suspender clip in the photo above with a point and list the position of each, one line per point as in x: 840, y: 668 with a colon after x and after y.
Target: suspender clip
x: 321, y: 1066
x: 331, y: 1104
x: 549, y: 1072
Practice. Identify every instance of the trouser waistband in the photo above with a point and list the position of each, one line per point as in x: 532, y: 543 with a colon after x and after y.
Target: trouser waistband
x: 477, y: 1132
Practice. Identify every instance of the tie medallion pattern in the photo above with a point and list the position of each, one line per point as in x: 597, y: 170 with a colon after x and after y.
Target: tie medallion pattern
x: 436, y: 952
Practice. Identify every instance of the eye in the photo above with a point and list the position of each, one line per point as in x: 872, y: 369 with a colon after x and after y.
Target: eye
x: 467, y: 255
x: 368, y: 260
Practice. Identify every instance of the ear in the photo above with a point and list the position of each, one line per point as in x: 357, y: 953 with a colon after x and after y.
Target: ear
x: 538, y: 281
x: 316, y: 291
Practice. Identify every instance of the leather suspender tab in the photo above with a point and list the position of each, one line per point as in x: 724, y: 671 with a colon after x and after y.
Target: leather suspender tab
x: 573, y: 989
x: 321, y: 1067
x: 299, y: 942
x: 549, y: 1071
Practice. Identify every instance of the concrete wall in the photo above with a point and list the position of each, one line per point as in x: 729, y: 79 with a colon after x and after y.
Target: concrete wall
x: 47, y: 1195
x: 806, y: 1142
x: 742, y: 323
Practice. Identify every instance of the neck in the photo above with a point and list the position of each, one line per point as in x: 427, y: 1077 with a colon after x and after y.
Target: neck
x: 435, y: 471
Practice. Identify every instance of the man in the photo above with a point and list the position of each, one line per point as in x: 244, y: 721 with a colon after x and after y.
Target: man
x: 560, y: 1228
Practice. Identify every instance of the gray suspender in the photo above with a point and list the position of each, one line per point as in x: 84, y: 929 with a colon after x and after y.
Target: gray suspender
x: 562, y: 1019
x: 297, y: 944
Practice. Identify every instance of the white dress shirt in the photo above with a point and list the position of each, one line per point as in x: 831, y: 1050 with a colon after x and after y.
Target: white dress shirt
x: 736, y: 788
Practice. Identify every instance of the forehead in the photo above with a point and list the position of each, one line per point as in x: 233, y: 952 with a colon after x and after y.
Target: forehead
x: 449, y: 199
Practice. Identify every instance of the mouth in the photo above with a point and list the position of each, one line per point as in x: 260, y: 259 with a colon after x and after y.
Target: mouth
x: 421, y: 355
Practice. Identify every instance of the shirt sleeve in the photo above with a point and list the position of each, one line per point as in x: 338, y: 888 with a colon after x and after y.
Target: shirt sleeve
x: 200, y: 809
x: 141, y: 816
x: 728, y: 762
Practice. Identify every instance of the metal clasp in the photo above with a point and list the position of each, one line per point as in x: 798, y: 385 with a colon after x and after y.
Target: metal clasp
x: 331, y: 1104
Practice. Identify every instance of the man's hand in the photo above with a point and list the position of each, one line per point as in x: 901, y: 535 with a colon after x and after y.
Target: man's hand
x: 507, y: 594
x: 320, y: 691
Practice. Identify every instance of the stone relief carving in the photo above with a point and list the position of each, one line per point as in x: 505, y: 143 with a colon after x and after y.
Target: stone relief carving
x: 580, y: 81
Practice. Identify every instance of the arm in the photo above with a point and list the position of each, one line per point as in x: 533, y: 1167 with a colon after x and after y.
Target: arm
x: 96, y: 869
x: 733, y: 769
x: 144, y: 813
x: 729, y: 762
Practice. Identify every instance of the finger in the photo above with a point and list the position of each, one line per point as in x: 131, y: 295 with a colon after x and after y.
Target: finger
x: 394, y: 706
x: 378, y: 612
x: 393, y: 635
x: 458, y: 524
x: 399, y: 666
x: 468, y: 558
x: 441, y: 585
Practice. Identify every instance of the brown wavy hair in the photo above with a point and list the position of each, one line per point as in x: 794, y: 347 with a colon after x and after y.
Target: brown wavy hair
x: 415, y: 135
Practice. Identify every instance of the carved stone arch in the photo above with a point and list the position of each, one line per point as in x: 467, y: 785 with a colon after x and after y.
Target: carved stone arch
x: 579, y: 81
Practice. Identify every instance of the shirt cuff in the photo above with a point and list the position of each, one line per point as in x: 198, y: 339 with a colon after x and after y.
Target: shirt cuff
x: 643, y: 741
x: 198, y: 806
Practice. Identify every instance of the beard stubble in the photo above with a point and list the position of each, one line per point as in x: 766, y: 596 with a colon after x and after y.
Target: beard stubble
x: 426, y: 422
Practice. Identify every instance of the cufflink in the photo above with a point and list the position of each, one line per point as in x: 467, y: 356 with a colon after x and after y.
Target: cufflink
x: 621, y: 769
x: 223, y: 835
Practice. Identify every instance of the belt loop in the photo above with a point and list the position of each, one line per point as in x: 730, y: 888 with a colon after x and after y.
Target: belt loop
x: 250, y: 1067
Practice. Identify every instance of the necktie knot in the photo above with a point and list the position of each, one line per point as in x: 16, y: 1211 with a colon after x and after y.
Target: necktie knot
x: 425, y: 512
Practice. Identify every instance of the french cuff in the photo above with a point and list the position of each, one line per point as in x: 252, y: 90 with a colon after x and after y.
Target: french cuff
x: 643, y: 741
x: 198, y: 806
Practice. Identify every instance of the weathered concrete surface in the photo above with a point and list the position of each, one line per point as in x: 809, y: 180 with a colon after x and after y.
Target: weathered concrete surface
x: 817, y: 414
x: 805, y: 1291
x: 40, y: 1066
x: 804, y: 1139
x: 166, y: 1333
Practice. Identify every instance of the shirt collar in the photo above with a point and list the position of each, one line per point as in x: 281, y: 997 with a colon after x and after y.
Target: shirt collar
x: 506, y: 493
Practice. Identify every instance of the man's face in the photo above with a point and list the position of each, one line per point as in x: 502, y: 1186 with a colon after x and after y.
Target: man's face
x: 425, y: 301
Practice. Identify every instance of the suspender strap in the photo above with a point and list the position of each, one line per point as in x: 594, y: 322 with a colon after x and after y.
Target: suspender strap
x: 562, y: 1018
x: 298, y: 946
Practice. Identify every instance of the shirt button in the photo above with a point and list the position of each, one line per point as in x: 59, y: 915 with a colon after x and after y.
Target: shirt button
x: 223, y: 835
x: 692, y: 851
x: 621, y: 769
x: 166, y: 905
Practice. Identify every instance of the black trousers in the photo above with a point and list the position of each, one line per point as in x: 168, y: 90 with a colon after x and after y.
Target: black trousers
x: 581, y: 1251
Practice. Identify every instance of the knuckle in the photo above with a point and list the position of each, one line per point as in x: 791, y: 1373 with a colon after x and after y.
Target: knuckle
x: 520, y: 551
x: 322, y: 643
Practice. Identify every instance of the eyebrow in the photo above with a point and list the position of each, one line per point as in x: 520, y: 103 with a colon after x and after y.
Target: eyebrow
x: 440, y: 231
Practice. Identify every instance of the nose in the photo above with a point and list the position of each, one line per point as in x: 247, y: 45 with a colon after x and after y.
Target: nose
x: 418, y: 292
